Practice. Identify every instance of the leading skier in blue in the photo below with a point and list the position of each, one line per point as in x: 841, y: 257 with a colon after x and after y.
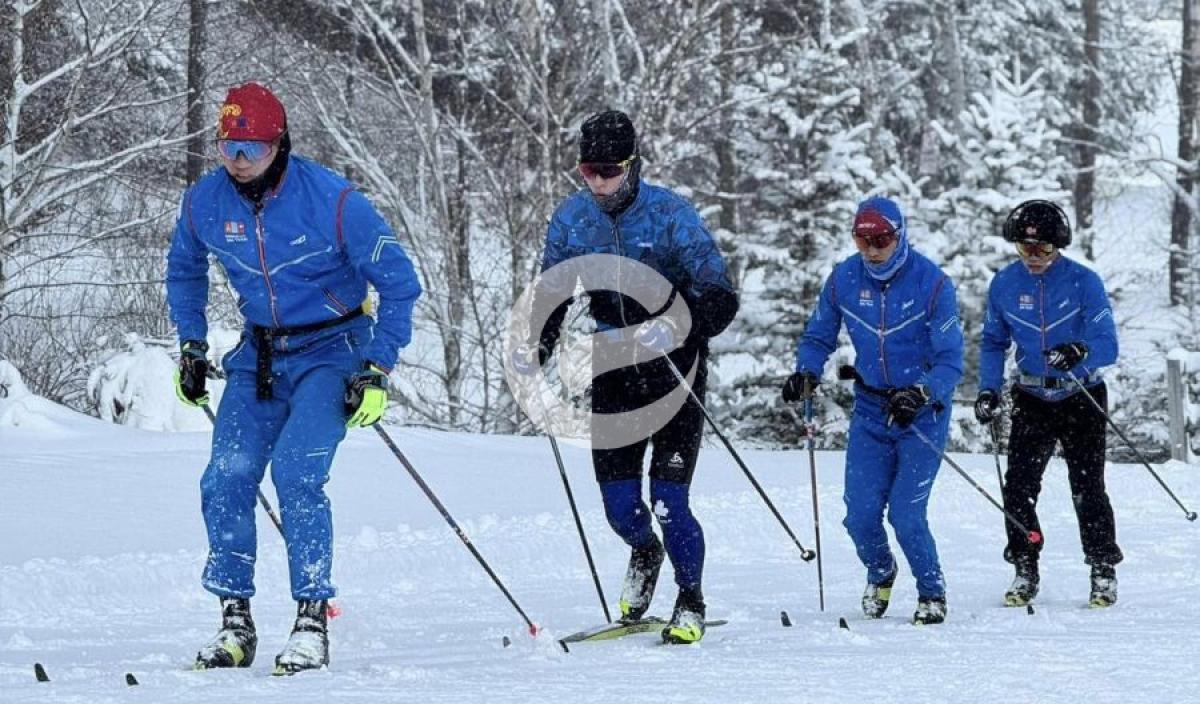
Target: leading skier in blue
x: 299, y: 245
x: 902, y: 316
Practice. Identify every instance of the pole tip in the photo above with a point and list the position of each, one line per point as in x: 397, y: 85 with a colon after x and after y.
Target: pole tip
x: 332, y: 610
x: 1191, y: 516
x: 1035, y: 537
x: 807, y: 555
x: 534, y: 630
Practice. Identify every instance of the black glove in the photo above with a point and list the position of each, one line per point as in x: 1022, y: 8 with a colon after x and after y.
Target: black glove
x: 193, y: 373
x: 986, y: 404
x: 1064, y: 357
x: 906, y: 403
x: 793, y: 388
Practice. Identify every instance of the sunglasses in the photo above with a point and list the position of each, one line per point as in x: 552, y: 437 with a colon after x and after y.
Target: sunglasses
x: 1035, y: 249
x: 601, y: 169
x: 250, y: 149
x: 876, y: 240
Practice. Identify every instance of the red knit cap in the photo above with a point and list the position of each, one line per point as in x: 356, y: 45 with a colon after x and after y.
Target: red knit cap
x: 251, y: 112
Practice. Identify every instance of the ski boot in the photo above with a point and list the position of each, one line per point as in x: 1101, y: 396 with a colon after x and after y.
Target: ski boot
x: 235, y: 643
x: 308, y: 646
x: 640, y: 580
x: 930, y: 610
x: 877, y: 596
x: 1025, y: 585
x: 687, y: 621
x: 1104, y: 586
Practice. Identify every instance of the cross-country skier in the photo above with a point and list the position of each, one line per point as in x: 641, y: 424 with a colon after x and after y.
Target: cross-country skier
x: 620, y: 214
x: 1057, y: 312
x: 902, y: 316
x: 299, y: 245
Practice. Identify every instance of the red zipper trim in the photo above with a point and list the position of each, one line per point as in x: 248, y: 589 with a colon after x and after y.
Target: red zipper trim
x: 334, y: 300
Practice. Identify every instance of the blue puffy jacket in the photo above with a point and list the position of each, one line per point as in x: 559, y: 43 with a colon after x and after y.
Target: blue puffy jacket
x: 1066, y: 303
x: 305, y: 257
x: 661, y: 230
x: 905, y: 331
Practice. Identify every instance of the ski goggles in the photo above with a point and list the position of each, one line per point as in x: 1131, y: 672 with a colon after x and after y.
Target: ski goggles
x: 252, y: 150
x: 603, y: 169
x: 876, y: 240
x: 1030, y: 250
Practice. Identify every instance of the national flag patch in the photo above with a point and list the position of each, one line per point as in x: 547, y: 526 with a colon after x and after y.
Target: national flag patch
x: 1025, y: 301
x: 235, y: 231
x: 865, y: 297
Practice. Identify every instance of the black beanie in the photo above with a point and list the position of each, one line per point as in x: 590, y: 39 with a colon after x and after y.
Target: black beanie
x: 607, y: 137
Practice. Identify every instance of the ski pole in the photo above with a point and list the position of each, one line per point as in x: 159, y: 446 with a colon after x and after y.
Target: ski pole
x: 1034, y: 536
x: 805, y: 554
x: 587, y: 551
x: 412, y: 471
x: 994, y: 425
x: 1191, y: 515
x: 262, y: 499
x: 849, y: 373
x: 810, y: 431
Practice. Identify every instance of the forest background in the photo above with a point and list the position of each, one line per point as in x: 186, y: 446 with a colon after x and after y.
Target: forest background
x: 458, y: 119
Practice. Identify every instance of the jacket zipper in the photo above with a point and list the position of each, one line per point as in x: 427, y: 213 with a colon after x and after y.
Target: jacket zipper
x: 620, y: 253
x: 882, y: 329
x: 262, y: 261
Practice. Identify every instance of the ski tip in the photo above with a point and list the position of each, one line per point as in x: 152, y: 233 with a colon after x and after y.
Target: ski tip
x: 785, y: 619
x: 505, y: 641
x: 842, y: 623
x: 563, y: 644
x: 130, y: 679
x: 332, y: 610
x: 40, y: 672
x: 1035, y: 537
x: 1029, y: 609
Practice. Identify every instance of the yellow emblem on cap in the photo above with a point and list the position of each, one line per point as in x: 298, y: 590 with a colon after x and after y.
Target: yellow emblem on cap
x: 228, y: 109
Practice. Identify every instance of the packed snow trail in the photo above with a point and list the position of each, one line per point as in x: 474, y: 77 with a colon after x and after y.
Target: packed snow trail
x: 103, y: 547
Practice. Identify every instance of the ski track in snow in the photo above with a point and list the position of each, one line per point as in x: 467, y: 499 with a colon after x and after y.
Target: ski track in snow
x: 99, y: 572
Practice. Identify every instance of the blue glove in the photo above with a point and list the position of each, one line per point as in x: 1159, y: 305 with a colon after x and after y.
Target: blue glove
x: 658, y: 335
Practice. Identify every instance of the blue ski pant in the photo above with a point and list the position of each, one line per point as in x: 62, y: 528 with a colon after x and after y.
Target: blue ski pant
x: 296, y: 432
x: 888, y: 467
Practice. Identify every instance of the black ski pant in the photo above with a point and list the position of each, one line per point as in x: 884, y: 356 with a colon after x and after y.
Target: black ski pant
x: 676, y: 446
x: 1037, y: 425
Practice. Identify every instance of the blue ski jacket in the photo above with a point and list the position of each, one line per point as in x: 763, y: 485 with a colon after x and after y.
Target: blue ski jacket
x: 661, y: 230
x: 905, y: 330
x: 304, y: 257
x: 1065, y: 303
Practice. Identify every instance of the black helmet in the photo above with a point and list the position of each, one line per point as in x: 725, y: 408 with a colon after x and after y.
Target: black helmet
x: 1038, y: 221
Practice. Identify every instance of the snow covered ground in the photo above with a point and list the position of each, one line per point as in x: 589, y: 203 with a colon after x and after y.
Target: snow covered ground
x: 103, y: 545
